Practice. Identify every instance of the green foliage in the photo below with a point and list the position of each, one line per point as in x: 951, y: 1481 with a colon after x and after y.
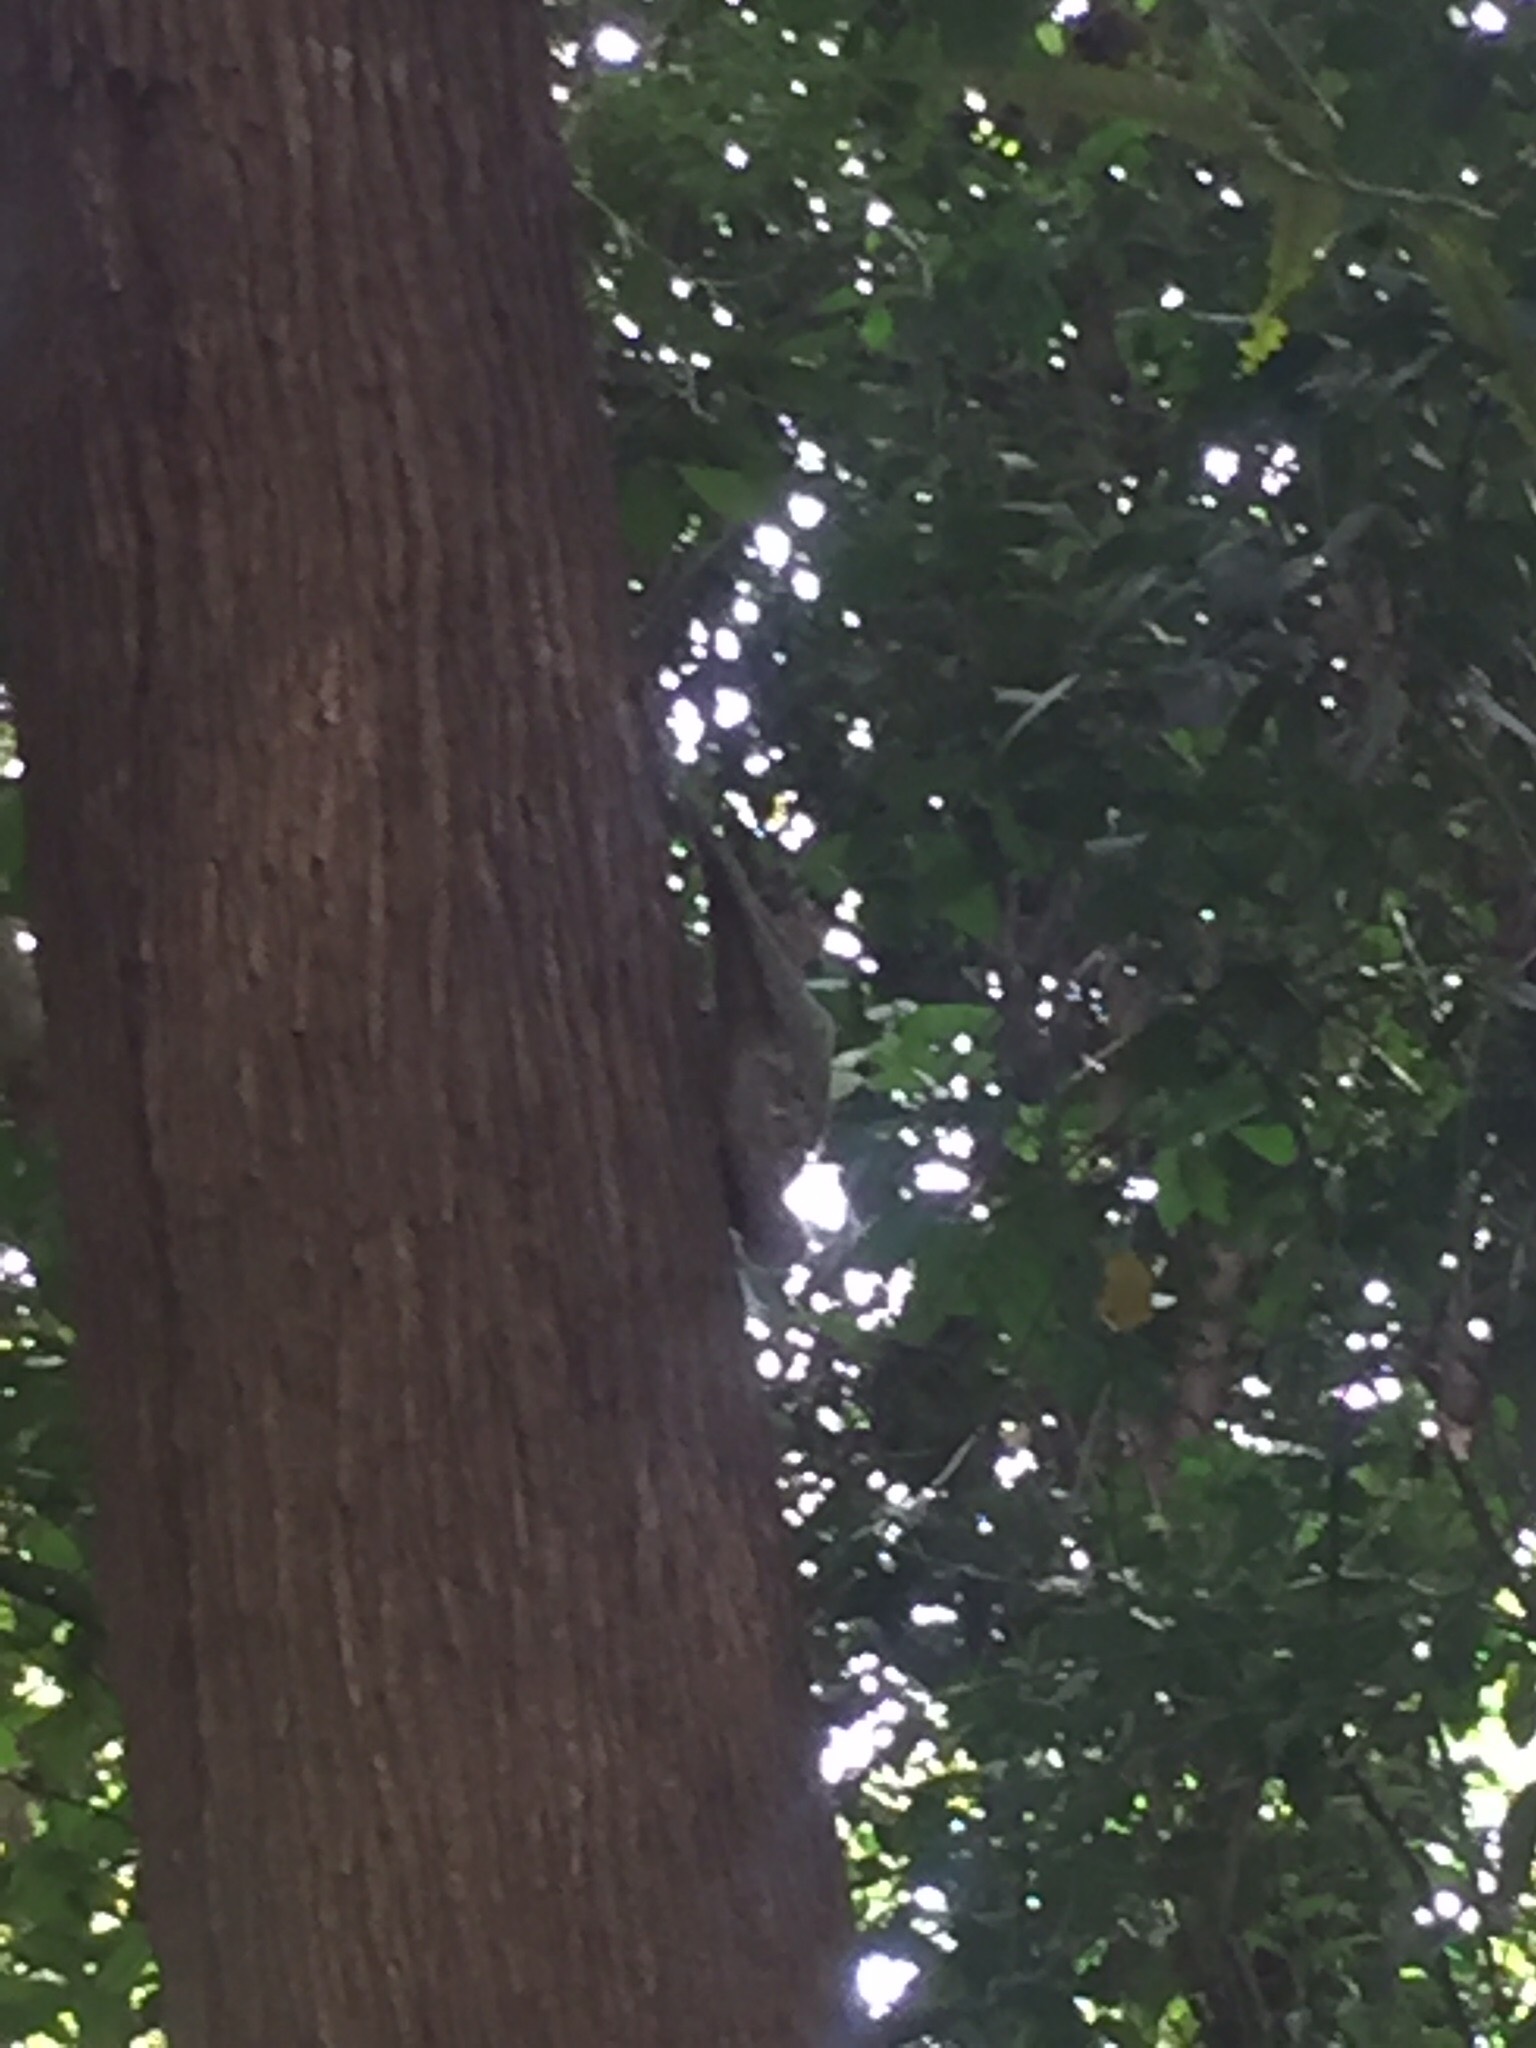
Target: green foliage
x: 74, y: 1964
x: 74, y: 1961
x: 1159, y: 1440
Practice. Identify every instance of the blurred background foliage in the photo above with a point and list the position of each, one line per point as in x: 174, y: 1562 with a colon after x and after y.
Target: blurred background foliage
x: 1077, y: 469
x: 1078, y: 474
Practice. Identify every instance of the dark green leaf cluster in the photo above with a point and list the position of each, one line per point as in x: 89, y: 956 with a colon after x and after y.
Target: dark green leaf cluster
x: 74, y: 1959
x: 1161, y: 683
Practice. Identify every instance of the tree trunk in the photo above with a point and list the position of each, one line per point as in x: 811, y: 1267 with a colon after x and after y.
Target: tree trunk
x: 438, y: 1544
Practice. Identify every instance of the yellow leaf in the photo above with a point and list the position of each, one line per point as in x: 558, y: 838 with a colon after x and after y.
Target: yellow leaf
x: 1266, y: 338
x: 1307, y: 215
x: 1125, y: 1300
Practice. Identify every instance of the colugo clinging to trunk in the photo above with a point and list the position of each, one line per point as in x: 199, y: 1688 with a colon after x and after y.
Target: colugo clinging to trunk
x: 770, y: 1048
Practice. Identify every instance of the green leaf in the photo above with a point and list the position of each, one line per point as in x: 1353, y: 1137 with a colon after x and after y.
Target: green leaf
x: 739, y: 496
x: 1207, y: 1185
x: 1306, y: 217
x: 1175, y: 1198
x: 877, y: 329
x: 126, y: 1963
x: 29, y: 2007
x: 976, y: 912
x: 654, y: 512
x: 1274, y: 1142
x: 1267, y: 335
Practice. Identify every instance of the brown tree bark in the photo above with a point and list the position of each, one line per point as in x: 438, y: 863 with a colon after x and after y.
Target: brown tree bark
x: 438, y: 1541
